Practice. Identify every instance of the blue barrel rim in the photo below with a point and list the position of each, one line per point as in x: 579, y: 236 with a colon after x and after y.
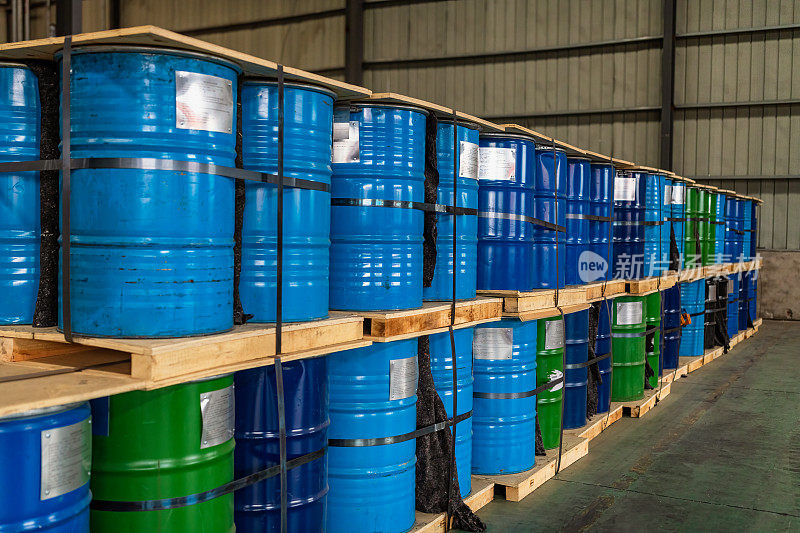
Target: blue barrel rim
x: 359, y: 105
x: 514, y: 136
x: 41, y: 411
x: 12, y: 64
x: 269, y: 82
x: 151, y: 50
x: 546, y: 148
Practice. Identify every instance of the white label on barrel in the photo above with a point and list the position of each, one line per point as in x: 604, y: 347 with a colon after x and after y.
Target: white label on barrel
x: 66, y: 459
x: 677, y: 194
x: 667, y: 194
x: 554, y: 375
x: 629, y: 313
x: 495, y: 163
x: 345, y: 138
x: 468, y: 160
x: 712, y: 292
x: 730, y: 286
x: 554, y: 334
x: 203, y: 102
x: 493, y: 343
x: 217, y: 409
x: 403, y: 376
x: 625, y: 188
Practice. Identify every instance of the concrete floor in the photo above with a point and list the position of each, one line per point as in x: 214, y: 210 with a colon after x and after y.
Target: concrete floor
x: 721, y: 453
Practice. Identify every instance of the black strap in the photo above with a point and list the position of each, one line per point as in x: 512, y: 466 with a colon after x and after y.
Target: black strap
x: 149, y: 163
x: 452, y: 459
x: 701, y: 313
x: 66, y: 166
x: 517, y: 395
x: 522, y: 218
x: 638, y: 222
x: 590, y: 362
x: 670, y: 330
x: 595, y: 218
x: 279, y: 310
x: 193, y: 499
x: 676, y: 219
x: 382, y: 441
x: 404, y: 204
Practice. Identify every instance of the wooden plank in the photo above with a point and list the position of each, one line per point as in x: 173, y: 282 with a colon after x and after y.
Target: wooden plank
x: 521, y: 484
x: 482, y: 493
x: 675, y: 374
x: 21, y: 349
x: 547, y: 312
x: 45, y: 49
x: 692, y: 363
x: 600, y: 290
x: 598, y: 423
x: 639, y: 408
x: 641, y: 287
x: 430, y: 317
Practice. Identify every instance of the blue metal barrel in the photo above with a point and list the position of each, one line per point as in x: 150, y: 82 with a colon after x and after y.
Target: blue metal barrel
x: 732, y: 205
x: 373, y: 394
x: 152, y: 250
x: 549, y: 249
x: 506, y: 175
x: 258, y: 507
x: 671, y: 327
x: 603, y: 346
x: 575, y: 375
x: 744, y: 295
x: 466, y: 225
x: 504, y: 428
x: 601, y: 200
x: 442, y: 370
x: 579, y: 176
x: 44, y: 473
x: 666, y: 220
x: 19, y: 194
x: 308, y: 122
x: 678, y: 214
x: 740, y: 225
x: 754, y: 227
x: 376, y: 251
x: 719, y: 228
x: 629, y: 198
x: 693, y: 295
x: 752, y: 295
x: 733, y: 304
x: 747, y: 226
x: 654, y: 224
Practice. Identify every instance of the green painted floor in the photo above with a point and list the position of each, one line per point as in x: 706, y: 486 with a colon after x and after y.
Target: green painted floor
x: 720, y: 453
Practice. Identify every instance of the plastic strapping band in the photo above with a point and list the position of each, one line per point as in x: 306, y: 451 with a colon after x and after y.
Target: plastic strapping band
x: 595, y: 218
x: 670, y: 330
x: 403, y: 204
x: 516, y: 395
x: 676, y: 219
x: 279, y: 309
x: 382, y: 441
x: 701, y: 313
x: 585, y: 364
x: 66, y: 152
x: 193, y: 499
x: 522, y: 218
x: 149, y: 163
x: 451, y: 459
x: 627, y: 335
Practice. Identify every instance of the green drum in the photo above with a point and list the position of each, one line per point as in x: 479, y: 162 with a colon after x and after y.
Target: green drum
x: 692, y: 233
x: 653, y: 337
x: 165, y: 443
x: 628, y: 347
x: 708, y: 217
x: 550, y: 366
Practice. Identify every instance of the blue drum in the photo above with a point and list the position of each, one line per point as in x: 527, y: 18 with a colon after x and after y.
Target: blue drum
x: 752, y: 295
x: 19, y: 194
x: 733, y: 304
x: 654, y: 224
x: 754, y: 228
x: 258, y: 507
x: 671, y: 327
x: 152, y: 250
x: 693, y: 302
x: 602, y: 347
x: 629, y: 235
x: 747, y: 238
x: 442, y: 371
x: 744, y: 300
x: 601, y: 203
x: 579, y: 177
x: 549, y: 250
x: 678, y: 214
x: 576, y: 373
x: 732, y: 205
x: 719, y: 229
x: 466, y: 225
x: 666, y: 222
x: 44, y: 473
x: 373, y: 394
x: 506, y: 176
x: 504, y: 417
x: 308, y: 121
x: 376, y: 251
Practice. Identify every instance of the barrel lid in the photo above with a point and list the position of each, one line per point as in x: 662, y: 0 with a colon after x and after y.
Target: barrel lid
x: 550, y: 148
x: 515, y: 136
x: 11, y: 64
x: 31, y: 413
x: 577, y: 158
x: 357, y: 104
x: 298, y: 84
x: 211, y: 378
x: 138, y: 49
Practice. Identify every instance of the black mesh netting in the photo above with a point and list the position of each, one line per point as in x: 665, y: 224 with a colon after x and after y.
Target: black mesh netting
x: 434, y: 457
x: 239, y: 316
x: 594, y: 377
x: 649, y: 347
x: 674, y: 253
x: 431, y: 194
x: 708, y: 315
x: 539, y: 442
x: 46, y: 312
x: 720, y: 315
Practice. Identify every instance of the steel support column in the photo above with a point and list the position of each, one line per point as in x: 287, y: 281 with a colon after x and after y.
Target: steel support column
x: 667, y: 84
x: 68, y: 17
x: 354, y: 42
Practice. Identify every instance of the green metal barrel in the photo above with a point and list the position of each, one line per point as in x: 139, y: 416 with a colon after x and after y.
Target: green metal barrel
x: 691, y: 257
x: 628, y: 347
x: 165, y: 443
x: 550, y: 366
x: 708, y: 215
x: 653, y: 337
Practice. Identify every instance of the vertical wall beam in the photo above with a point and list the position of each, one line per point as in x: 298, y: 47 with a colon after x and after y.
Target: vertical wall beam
x: 68, y: 17
x: 667, y: 84
x: 115, y: 14
x: 354, y: 42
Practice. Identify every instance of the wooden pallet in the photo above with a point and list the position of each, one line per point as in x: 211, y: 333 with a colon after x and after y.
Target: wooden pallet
x: 432, y: 317
x: 145, y: 364
x: 482, y: 493
x: 600, y: 290
x: 692, y: 363
x: 639, y: 408
x: 597, y: 424
x: 675, y: 374
x: 518, y: 302
x: 641, y: 287
x: 519, y: 485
